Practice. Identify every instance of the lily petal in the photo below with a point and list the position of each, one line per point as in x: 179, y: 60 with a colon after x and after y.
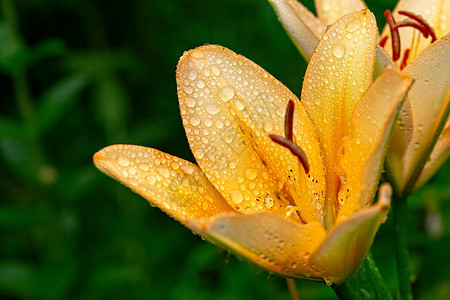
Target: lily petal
x: 347, y: 244
x: 362, y: 156
x: 229, y: 106
x: 438, y: 156
x: 329, y: 11
x: 429, y: 99
x: 435, y: 13
x: 176, y: 186
x: 301, y: 25
x: 337, y: 76
x: 268, y: 241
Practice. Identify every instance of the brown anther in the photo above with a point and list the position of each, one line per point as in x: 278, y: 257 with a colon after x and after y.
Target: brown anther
x: 289, y: 120
x: 383, y: 41
x: 421, y: 21
x: 294, y: 148
x: 405, y: 59
x: 394, y: 34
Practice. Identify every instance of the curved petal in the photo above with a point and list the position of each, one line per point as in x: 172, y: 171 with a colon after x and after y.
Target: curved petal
x: 229, y: 106
x: 434, y: 12
x: 176, y: 186
x: 362, y: 156
x: 329, y: 11
x: 268, y: 241
x: 337, y: 76
x: 438, y: 156
x: 300, y: 24
x: 347, y: 244
x: 429, y: 100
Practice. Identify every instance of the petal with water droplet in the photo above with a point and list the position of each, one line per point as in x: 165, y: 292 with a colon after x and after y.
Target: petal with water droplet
x: 237, y: 155
x: 329, y: 11
x: 176, y: 186
x: 347, y: 244
x: 429, y: 98
x: 361, y: 159
x: 301, y: 25
x: 268, y: 241
x: 334, y: 84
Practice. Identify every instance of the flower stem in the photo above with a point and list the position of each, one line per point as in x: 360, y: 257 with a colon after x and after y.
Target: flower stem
x: 400, y: 216
x: 367, y: 283
x: 292, y: 289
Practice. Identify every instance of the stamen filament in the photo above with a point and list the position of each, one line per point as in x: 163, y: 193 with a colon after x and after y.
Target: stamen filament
x: 421, y: 21
x: 289, y: 121
x: 383, y: 41
x: 294, y: 148
x: 419, y: 27
x: 404, y: 60
x: 394, y: 34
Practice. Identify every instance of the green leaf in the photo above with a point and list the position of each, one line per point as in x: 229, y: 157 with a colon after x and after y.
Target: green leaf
x: 57, y: 101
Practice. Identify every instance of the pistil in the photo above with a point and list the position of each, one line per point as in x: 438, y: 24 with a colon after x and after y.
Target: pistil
x: 288, y: 140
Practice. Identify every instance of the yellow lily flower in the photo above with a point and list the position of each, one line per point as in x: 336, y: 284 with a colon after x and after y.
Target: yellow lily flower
x: 289, y: 190
x: 419, y: 146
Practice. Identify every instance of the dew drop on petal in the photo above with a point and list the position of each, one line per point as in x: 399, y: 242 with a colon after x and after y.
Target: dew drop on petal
x: 268, y: 125
x: 187, y: 169
x: 239, y: 104
x: 339, y: 51
x: 226, y: 93
x: 353, y: 25
x: 190, y: 102
x: 194, y: 120
x: 251, y: 173
x: 123, y: 161
x: 215, y: 70
x: 192, y: 74
x: 151, y: 179
x: 268, y: 202
x: 236, y: 197
x: 212, y: 109
x: 143, y: 167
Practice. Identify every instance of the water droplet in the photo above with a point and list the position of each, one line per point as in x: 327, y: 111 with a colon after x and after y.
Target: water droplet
x: 219, y: 124
x: 198, y: 54
x: 328, y: 281
x: 251, y: 173
x: 339, y: 51
x: 164, y: 172
x: 175, y: 165
x: 190, y: 102
x: 123, y: 161
x: 268, y: 125
x: 215, y: 70
x: 151, y: 179
x: 212, y: 109
x: 236, y: 197
x: 232, y: 164
x: 194, y: 120
x: 268, y: 202
x: 144, y: 167
x: 188, y: 89
x: 226, y: 93
x: 192, y: 74
x: 353, y: 25
x: 187, y: 169
x: 239, y: 104
x: 200, y: 84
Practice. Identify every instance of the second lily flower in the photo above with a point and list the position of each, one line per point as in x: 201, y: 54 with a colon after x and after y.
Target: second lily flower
x: 252, y: 195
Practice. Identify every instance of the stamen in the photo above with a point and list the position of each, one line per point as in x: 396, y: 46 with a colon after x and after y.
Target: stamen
x: 294, y: 148
x: 289, y: 120
x: 421, y: 21
x: 394, y: 34
x: 383, y: 41
x: 405, y: 59
x: 406, y: 23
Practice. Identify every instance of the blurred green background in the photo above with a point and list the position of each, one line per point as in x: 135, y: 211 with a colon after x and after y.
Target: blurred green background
x: 78, y: 75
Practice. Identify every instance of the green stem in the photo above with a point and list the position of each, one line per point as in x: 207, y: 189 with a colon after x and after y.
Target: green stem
x: 292, y: 289
x: 400, y: 216
x: 367, y: 283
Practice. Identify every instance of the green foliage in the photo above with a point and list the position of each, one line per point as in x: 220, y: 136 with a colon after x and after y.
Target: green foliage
x: 79, y: 75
